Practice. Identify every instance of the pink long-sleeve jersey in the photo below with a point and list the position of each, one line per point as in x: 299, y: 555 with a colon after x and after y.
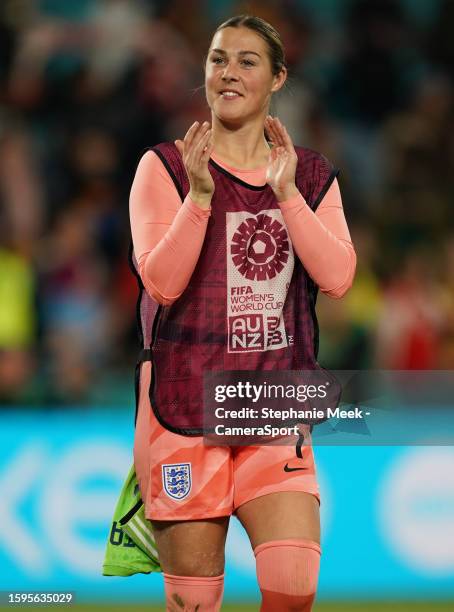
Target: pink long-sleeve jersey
x: 168, y: 235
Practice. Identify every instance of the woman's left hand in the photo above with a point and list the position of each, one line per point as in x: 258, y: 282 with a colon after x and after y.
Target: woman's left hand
x: 280, y: 174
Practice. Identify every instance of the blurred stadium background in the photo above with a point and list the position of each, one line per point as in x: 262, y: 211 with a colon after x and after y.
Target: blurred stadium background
x: 85, y: 87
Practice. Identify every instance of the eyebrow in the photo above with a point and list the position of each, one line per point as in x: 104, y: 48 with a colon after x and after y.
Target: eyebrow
x: 222, y: 52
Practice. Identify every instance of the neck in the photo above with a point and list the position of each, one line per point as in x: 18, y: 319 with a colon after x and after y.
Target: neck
x: 241, y: 146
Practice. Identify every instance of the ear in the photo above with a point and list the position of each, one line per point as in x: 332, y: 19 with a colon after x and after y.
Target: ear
x: 279, y: 80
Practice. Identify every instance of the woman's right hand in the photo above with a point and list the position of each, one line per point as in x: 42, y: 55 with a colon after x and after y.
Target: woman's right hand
x: 196, y: 149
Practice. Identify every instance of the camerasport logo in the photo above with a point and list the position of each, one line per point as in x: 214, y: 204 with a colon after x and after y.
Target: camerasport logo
x: 260, y: 265
x: 260, y: 247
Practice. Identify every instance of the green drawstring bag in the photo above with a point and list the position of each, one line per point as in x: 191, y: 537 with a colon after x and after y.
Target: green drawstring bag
x: 131, y: 547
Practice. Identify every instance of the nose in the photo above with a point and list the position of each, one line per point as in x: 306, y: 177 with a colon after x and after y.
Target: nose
x: 229, y: 73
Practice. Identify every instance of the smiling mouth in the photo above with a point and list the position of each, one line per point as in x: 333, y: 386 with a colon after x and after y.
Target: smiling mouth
x: 230, y: 95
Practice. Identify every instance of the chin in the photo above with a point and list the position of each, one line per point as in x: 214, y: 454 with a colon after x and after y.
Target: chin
x: 229, y: 117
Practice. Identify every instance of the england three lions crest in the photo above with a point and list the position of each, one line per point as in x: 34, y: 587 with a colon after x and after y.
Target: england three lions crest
x: 177, y: 479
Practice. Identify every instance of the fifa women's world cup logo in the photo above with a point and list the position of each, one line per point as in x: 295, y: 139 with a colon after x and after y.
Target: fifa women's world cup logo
x: 260, y: 247
x: 260, y: 264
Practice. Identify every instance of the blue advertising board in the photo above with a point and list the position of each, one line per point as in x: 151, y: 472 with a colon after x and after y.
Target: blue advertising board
x: 387, y: 514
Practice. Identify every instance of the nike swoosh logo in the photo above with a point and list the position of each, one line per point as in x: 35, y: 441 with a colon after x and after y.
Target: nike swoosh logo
x: 289, y: 469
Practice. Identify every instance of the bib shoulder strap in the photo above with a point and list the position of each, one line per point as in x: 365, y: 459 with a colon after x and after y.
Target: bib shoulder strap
x: 314, y: 175
x: 173, y: 163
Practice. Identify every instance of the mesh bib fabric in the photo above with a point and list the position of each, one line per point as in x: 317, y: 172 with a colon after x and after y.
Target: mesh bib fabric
x: 249, y: 305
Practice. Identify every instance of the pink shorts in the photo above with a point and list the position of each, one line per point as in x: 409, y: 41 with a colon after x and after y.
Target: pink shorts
x: 181, y: 478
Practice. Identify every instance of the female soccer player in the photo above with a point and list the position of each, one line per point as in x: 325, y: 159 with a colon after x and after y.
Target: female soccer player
x: 219, y: 214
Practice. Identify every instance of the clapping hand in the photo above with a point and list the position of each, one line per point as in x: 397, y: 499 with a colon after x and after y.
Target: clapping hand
x: 280, y: 173
x: 196, y: 149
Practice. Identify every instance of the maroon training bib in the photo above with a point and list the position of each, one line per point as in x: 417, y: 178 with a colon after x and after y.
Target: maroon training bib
x: 249, y: 305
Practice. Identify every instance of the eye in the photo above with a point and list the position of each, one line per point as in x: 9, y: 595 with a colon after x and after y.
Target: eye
x: 217, y: 60
x: 247, y: 62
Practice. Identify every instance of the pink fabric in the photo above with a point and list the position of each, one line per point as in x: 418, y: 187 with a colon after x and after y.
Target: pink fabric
x: 168, y: 236
x: 287, y: 573
x: 190, y: 593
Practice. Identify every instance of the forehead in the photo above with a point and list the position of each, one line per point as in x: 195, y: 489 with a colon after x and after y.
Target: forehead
x: 233, y: 40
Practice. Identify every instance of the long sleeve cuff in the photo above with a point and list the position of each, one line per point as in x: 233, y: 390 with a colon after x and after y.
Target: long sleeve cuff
x: 297, y: 205
x: 195, y: 210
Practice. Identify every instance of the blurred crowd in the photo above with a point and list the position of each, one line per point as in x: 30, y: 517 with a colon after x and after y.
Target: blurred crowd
x: 87, y: 85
